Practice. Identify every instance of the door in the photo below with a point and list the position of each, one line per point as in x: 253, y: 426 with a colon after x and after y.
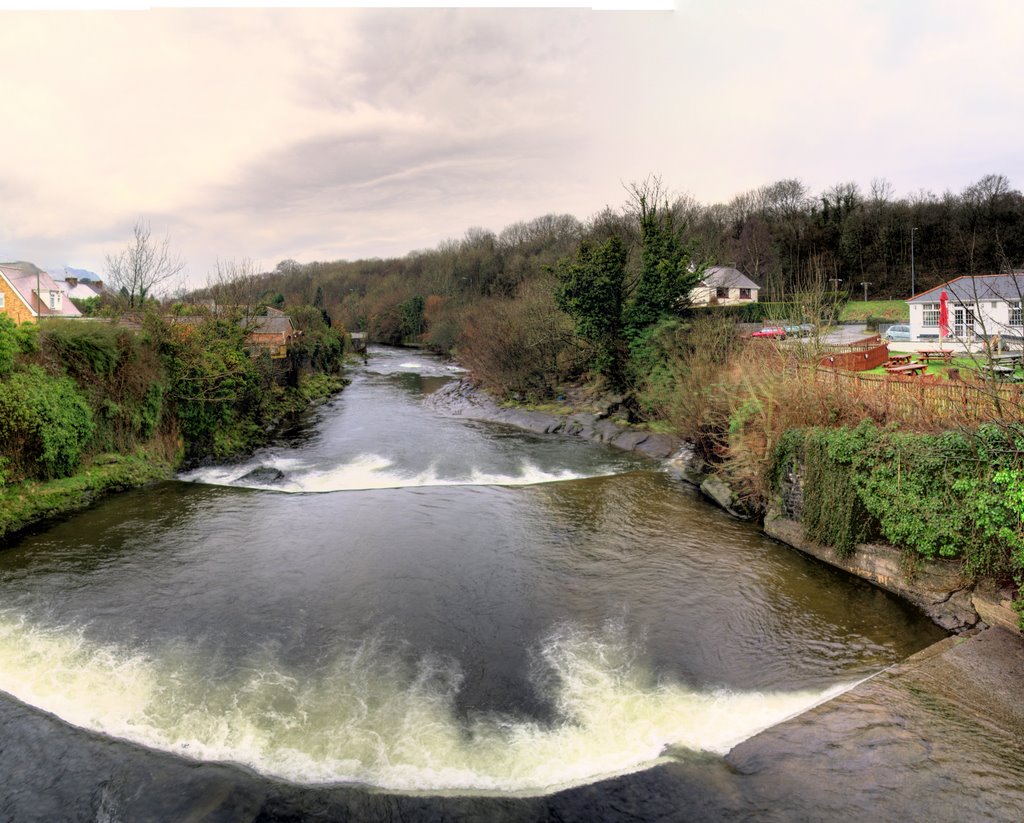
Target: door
x: 963, y: 322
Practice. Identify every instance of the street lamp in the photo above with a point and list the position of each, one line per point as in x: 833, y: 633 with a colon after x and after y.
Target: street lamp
x: 912, y: 230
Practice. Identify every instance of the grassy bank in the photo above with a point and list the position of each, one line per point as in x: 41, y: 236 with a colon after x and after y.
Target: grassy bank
x: 872, y: 311
x: 32, y: 501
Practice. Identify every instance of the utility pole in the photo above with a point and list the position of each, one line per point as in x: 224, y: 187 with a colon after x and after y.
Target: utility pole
x: 865, y: 284
x: 835, y: 281
x: 912, y: 230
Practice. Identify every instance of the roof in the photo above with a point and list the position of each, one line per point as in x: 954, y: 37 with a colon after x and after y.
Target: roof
x: 971, y: 289
x: 83, y: 290
x: 272, y: 325
x: 7, y: 279
x: 722, y: 276
x: 26, y: 283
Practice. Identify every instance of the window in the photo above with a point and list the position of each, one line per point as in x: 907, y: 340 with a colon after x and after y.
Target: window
x: 1015, y: 315
x: 722, y: 292
x: 744, y: 294
x: 54, y: 299
x: 931, y: 315
x: 2, y: 296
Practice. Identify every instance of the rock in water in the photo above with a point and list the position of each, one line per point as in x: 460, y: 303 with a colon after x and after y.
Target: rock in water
x: 262, y: 475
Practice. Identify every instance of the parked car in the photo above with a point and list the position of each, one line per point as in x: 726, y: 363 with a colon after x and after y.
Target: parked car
x: 774, y: 332
x: 803, y: 330
x: 898, y: 332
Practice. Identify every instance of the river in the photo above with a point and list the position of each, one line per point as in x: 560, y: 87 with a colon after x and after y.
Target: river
x: 407, y: 615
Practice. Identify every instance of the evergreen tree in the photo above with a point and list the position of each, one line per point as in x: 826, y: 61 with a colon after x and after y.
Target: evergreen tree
x: 666, y: 275
x: 590, y: 290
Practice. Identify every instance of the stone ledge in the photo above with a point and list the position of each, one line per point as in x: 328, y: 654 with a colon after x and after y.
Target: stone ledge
x: 937, y: 588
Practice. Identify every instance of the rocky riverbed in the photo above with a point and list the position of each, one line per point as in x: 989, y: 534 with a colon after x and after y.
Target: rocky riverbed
x: 462, y: 399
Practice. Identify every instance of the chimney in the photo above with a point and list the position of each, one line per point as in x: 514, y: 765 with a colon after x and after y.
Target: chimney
x: 71, y: 281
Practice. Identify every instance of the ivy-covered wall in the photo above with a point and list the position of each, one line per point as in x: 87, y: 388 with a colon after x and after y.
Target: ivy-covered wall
x: 951, y: 495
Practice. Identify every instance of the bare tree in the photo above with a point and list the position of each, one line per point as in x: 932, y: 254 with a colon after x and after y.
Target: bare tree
x: 236, y: 288
x: 142, y: 265
x: 881, y: 191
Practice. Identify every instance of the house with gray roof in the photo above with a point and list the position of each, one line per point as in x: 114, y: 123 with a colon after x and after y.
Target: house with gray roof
x: 979, y: 306
x: 724, y: 286
x: 273, y: 333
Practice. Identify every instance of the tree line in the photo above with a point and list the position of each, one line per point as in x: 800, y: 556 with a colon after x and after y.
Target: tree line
x: 779, y: 234
x: 510, y: 302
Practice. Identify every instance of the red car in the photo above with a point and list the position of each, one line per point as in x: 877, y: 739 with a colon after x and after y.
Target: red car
x: 774, y: 332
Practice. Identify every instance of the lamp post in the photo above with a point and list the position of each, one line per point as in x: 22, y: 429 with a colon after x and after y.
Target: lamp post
x: 865, y: 284
x: 912, y: 230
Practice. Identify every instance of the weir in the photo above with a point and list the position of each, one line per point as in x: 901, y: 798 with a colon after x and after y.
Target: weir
x: 372, y: 720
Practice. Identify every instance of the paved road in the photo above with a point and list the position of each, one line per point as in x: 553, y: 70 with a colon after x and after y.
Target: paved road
x: 846, y: 334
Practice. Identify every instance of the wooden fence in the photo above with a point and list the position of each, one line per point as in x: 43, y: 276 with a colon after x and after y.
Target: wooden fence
x: 929, y: 402
x: 857, y: 357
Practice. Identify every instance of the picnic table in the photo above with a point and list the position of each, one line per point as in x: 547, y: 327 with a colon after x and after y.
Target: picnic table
x: 944, y: 354
x: 907, y: 368
x: 899, y: 359
x: 1008, y: 357
x: 1000, y: 372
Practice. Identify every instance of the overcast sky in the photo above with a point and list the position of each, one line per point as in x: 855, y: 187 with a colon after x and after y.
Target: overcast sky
x: 343, y: 133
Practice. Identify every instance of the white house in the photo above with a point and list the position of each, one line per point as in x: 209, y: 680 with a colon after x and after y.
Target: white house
x: 724, y: 286
x: 979, y: 306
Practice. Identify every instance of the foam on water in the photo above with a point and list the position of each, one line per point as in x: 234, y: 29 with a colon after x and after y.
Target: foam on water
x: 371, y: 719
x: 421, y: 366
x: 372, y: 471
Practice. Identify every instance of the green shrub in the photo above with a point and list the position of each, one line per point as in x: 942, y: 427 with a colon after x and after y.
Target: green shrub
x: 952, y: 495
x: 833, y: 512
x: 45, y: 424
x: 15, y: 340
x: 85, y: 348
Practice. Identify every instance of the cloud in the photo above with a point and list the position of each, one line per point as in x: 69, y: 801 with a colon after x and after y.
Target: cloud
x: 327, y: 133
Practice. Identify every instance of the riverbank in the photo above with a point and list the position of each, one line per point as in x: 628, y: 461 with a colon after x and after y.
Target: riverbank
x: 461, y: 398
x: 32, y: 502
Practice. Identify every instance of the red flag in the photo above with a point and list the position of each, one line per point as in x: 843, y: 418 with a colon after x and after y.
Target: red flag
x: 943, y: 316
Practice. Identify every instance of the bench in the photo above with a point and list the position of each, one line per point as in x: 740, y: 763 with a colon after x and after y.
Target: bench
x: 1000, y: 372
x: 945, y: 355
x: 909, y: 369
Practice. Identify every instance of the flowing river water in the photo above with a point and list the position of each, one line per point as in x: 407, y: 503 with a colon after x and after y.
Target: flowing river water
x: 411, y: 616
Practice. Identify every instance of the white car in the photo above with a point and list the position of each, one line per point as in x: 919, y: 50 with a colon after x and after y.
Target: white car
x: 898, y: 332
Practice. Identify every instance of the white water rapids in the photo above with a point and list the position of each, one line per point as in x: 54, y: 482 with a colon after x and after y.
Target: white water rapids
x: 366, y: 718
x: 372, y: 471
